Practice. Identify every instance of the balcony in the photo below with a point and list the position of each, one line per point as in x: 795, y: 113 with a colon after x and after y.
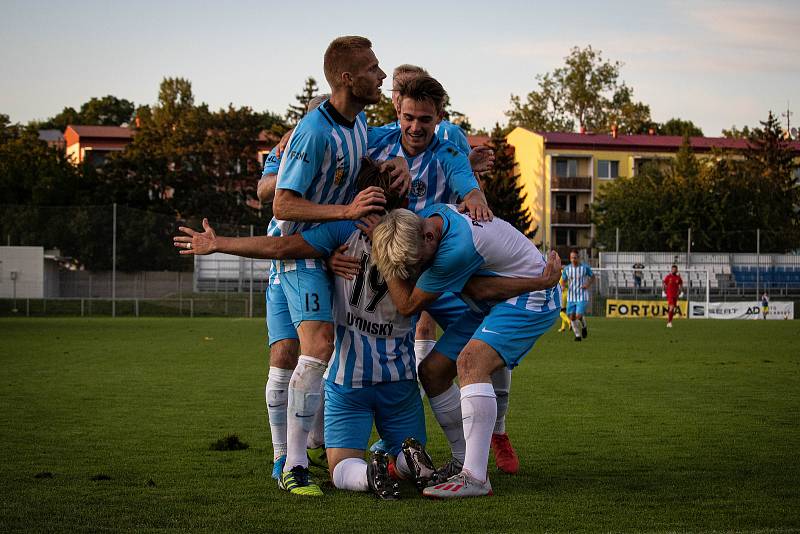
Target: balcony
x: 573, y: 183
x: 570, y: 217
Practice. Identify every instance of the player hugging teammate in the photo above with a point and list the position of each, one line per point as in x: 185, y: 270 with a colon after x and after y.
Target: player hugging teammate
x: 352, y: 327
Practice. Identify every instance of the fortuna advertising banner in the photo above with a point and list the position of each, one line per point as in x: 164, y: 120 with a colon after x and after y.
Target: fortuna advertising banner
x: 778, y: 311
x: 642, y: 309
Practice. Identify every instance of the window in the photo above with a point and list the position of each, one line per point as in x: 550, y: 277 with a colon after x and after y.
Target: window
x: 607, y: 168
x: 566, y: 237
x: 567, y: 203
x: 566, y: 167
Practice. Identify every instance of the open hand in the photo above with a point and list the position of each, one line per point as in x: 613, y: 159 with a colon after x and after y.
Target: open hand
x: 195, y: 242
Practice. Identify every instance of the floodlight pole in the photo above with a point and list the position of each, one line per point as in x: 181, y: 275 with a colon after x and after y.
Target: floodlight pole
x: 114, y: 262
x: 251, y: 277
x: 616, y: 271
x: 758, y: 260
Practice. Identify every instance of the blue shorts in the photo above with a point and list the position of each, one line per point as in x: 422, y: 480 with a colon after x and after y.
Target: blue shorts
x: 509, y: 330
x: 395, y: 408
x: 279, y: 321
x: 446, y: 309
x: 577, y: 307
x: 308, y: 295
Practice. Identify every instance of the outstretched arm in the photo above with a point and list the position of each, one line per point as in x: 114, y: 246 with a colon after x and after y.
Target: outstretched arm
x: 261, y: 247
x: 496, y: 288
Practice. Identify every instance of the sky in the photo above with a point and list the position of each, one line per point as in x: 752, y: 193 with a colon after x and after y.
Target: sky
x: 716, y: 63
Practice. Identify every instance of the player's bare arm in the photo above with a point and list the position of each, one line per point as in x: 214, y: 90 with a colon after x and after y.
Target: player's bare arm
x: 342, y: 264
x: 259, y: 247
x: 495, y: 288
x: 481, y: 159
x: 290, y: 206
x: 266, y: 188
x: 408, y: 298
x: 475, y: 204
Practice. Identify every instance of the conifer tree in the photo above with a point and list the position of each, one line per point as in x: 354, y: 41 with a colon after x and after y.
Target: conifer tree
x: 502, y: 189
x: 299, y: 110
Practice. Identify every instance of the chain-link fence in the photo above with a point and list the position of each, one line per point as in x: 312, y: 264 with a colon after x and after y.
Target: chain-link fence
x: 113, y: 260
x: 118, y: 261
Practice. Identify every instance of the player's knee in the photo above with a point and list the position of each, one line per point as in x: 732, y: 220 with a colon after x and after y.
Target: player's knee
x: 317, y: 341
x: 283, y: 354
x: 436, y: 373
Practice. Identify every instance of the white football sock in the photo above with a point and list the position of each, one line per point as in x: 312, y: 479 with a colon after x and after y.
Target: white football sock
x: 423, y: 347
x: 316, y: 438
x: 303, y: 402
x: 501, y: 382
x: 351, y: 474
x: 479, y: 406
x: 447, y: 410
x: 402, y: 467
x: 576, y: 327
x: 583, y: 321
x: 276, y: 394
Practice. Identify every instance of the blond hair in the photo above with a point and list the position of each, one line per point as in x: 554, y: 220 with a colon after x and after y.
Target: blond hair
x: 339, y: 57
x: 317, y: 101
x: 396, y: 244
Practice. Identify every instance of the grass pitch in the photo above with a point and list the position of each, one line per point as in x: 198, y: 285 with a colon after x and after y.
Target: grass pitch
x: 107, y: 424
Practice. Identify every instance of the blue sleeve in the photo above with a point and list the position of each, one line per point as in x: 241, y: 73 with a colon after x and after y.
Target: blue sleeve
x: 457, y: 136
x: 271, y: 163
x: 329, y: 236
x: 588, y: 270
x: 564, y: 274
x: 457, y: 170
x: 302, y: 158
x: 450, y: 270
x: 377, y: 134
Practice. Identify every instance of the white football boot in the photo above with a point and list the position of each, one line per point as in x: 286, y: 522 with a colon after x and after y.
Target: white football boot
x: 459, y: 486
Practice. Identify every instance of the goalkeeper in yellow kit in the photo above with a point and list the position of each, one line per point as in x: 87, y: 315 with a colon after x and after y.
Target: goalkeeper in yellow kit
x: 565, y: 322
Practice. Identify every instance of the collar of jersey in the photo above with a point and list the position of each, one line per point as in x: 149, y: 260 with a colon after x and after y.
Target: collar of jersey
x: 336, y: 116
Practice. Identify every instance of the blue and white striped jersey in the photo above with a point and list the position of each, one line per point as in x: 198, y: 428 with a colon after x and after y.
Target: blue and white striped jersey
x: 441, y: 174
x: 576, y: 277
x: 445, y: 131
x: 493, y: 248
x: 321, y: 163
x: 374, y: 342
x: 271, y: 165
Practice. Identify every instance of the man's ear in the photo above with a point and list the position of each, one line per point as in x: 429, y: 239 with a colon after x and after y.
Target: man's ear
x: 429, y: 237
x: 440, y: 117
x: 347, y: 79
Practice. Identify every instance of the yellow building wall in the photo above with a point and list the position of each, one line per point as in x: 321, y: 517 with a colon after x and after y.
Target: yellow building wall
x: 530, y: 160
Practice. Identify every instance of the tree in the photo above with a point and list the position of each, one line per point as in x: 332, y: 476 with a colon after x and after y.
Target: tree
x: 680, y: 127
x: 769, y: 164
x: 106, y: 111
x: 723, y: 199
x: 585, y: 92
x: 299, y: 110
x: 502, y: 189
x: 736, y: 133
x: 382, y: 112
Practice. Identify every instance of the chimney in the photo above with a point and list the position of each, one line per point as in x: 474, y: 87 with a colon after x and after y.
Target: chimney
x: 614, y: 130
x: 583, y: 129
x: 137, y: 122
x: 651, y: 131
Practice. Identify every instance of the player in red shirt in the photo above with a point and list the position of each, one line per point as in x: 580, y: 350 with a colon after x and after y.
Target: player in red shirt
x: 673, y: 286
